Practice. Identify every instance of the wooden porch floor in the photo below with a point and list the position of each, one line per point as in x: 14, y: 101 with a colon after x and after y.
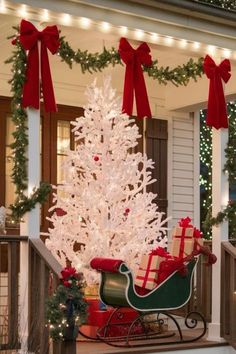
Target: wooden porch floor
x: 97, y: 347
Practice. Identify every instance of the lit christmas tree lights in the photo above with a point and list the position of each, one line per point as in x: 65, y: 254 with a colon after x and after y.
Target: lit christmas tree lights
x: 229, y: 213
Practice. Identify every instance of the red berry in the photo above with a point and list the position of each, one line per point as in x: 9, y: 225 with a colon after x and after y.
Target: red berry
x: 96, y: 158
x: 127, y: 210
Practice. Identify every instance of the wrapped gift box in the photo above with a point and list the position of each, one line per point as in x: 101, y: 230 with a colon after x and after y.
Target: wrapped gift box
x: 186, y: 239
x: 146, y: 279
x: 177, y: 251
x: 183, y: 239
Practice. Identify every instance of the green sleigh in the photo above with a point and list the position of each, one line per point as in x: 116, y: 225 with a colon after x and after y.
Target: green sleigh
x: 117, y: 289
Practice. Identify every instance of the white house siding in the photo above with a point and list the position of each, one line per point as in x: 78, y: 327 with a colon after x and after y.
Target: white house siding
x: 182, y: 165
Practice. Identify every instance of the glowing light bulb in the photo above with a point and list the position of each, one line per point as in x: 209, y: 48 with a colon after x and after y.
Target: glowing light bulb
x: 169, y: 40
x: 227, y: 53
x: 196, y: 45
x: 183, y: 43
x: 105, y: 26
x: 139, y: 34
x: 123, y: 30
x: 22, y: 11
x: 66, y: 19
x: 3, y: 8
x: 154, y: 37
x: 85, y: 22
x: 211, y: 49
x: 45, y: 15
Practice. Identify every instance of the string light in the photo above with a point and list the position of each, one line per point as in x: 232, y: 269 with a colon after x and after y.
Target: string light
x: 66, y: 19
x: 168, y: 40
x: 139, y: 34
x: 183, y: 43
x: 85, y: 22
x: 3, y: 8
x: 196, y: 45
x: 211, y: 49
x: 226, y: 53
x: 22, y: 11
x: 154, y: 37
x: 123, y: 30
x: 105, y: 26
x: 45, y: 15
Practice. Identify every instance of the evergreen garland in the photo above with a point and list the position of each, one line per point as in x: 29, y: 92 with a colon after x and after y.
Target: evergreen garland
x: 66, y: 309
x: 229, y: 212
x: 19, y: 116
x: 205, y: 173
x: 223, y: 4
x: 180, y: 75
x: 89, y: 63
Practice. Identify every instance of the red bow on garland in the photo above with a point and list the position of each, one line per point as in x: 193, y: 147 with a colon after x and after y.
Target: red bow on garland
x: 29, y: 37
x: 216, y: 110
x: 134, y: 80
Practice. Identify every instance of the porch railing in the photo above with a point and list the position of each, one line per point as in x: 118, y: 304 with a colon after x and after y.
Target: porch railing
x: 44, y: 273
x: 43, y: 277
x: 9, y: 285
x: 228, y: 293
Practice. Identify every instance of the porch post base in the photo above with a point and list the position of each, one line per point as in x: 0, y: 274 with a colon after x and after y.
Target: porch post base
x: 214, y: 333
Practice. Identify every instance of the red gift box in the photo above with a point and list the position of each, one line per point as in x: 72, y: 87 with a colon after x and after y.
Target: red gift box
x: 121, y: 321
x: 99, y: 318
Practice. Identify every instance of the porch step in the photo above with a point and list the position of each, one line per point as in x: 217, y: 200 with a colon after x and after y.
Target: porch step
x: 101, y: 348
x: 201, y: 346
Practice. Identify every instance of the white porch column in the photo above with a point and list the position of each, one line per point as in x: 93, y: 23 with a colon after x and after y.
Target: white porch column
x: 220, y: 197
x: 30, y: 226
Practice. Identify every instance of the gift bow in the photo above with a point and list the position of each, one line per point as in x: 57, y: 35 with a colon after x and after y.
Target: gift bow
x: 160, y: 251
x: 134, y: 80
x: 197, y: 233
x: 216, y: 110
x: 185, y: 222
x: 29, y: 37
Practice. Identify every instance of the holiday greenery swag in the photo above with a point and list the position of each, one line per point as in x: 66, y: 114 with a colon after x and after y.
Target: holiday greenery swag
x: 66, y: 309
x: 106, y: 208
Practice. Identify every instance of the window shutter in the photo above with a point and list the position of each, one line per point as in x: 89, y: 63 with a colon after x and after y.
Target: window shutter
x: 156, y: 147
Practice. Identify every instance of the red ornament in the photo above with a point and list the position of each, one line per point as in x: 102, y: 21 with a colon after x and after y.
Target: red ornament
x: 96, y: 158
x: 127, y: 210
x: 60, y: 212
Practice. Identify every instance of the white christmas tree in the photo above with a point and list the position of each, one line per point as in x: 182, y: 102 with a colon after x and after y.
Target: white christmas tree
x: 108, y: 212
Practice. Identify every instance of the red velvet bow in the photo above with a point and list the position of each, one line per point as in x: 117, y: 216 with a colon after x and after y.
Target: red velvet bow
x: 185, y: 222
x: 216, y: 110
x: 29, y: 37
x: 134, y: 80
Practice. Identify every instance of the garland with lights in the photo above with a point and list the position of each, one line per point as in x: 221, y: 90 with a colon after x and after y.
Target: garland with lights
x: 205, y: 172
x: 89, y: 63
x: 180, y: 75
x: 223, y: 4
x: 229, y: 212
x: 66, y: 309
x: 19, y: 116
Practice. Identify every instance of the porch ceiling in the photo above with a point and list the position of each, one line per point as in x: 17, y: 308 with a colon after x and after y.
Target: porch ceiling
x: 94, y: 39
